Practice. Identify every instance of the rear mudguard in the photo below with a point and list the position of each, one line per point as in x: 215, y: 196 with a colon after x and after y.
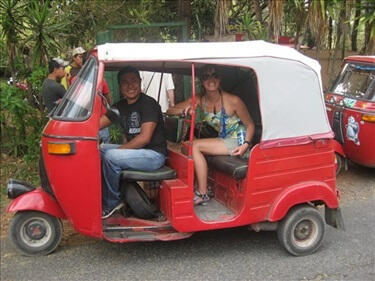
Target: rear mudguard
x: 334, y: 218
x: 36, y: 200
x: 302, y: 193
x: 338, y: 148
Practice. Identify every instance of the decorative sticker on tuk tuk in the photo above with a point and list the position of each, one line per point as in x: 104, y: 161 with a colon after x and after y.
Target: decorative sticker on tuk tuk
x: 352, y: 130
x: 349, y: 102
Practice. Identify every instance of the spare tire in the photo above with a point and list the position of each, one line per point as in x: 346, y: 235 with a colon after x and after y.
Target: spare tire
x: 138, y: 201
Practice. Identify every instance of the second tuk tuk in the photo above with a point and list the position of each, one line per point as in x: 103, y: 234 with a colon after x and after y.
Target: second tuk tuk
x: 351, y: 111
x: 289, y: 173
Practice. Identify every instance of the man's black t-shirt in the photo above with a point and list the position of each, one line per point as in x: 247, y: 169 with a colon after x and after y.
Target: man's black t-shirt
x: 132, y: 116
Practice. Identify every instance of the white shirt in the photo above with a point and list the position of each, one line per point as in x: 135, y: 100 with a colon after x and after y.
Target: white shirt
x: 151, y: 87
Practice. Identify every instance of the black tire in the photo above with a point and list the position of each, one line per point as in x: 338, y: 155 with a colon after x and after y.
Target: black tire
x: 339, y: 162
x: 302, y: 230
x: 138, y: 201
x: 35, y: 233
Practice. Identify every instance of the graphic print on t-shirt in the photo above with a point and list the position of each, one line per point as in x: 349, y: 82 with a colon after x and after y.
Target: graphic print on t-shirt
x: 134, y: 123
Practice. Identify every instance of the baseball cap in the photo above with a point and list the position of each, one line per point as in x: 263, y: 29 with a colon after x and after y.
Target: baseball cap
x: 78, y: 51
x: 60, y: 61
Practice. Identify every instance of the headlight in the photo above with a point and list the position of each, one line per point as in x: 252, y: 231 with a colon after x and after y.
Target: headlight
x: 16, y: 188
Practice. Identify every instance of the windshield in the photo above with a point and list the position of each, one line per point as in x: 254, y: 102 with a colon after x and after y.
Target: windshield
x: 78, y: 101
x: 356, y: 81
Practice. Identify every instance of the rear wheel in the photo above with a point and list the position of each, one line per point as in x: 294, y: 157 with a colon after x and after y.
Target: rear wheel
x: 35, y: 233
x: 138, y: 201
x: 301, y: 232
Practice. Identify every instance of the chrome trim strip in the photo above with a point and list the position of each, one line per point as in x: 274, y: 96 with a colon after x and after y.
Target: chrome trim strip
x: 70, y: 137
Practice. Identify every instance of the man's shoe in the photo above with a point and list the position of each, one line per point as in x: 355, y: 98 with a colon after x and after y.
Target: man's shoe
x: 108, y: 213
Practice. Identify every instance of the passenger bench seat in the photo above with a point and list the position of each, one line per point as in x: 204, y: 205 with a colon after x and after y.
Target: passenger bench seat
x: 232, y: 165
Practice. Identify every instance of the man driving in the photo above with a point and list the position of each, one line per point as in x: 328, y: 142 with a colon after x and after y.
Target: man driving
x: 145, y: 147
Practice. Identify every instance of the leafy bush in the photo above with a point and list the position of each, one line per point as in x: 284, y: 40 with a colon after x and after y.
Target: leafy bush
x: 22, y: 118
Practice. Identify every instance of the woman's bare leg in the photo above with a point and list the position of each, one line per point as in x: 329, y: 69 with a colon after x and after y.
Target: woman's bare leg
x: 214, y: 146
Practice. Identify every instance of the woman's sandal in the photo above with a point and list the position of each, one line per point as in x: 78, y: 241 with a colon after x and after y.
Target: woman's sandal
x: 200, y: 199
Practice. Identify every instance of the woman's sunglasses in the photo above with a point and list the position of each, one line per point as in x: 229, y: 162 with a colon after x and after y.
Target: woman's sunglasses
x: 207, y: 76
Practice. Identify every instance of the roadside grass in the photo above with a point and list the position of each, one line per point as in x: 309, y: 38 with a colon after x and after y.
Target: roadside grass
x: 18, y: 168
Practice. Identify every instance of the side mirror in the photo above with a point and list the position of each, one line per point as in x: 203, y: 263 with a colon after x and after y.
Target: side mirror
x: 112, y: 110
x: 104, y: 100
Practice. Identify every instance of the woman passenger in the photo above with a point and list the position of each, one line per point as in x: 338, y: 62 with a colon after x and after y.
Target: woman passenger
x: 228, y: 115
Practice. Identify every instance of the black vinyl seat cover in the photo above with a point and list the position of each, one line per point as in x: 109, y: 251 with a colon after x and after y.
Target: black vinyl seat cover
x: 232, y: 165
x: 163, y: 173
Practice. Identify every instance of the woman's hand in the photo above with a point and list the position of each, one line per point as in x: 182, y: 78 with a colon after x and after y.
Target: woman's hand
x: 187, y: 110
x: 240, y: 150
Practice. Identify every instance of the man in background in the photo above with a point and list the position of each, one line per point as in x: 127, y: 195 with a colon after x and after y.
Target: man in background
x: 52, y: 90
x: 151, y: 86
x: 75, y: 66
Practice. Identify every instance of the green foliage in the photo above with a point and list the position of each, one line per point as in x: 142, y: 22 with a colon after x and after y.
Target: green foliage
x: 13, y: 128
x: 21, y: 123
x: 115, y: 135
x: 46, y: 28
x: 35, y: 82
x: 253, y: 29
x: 12, y: 13
x: 203, y: 13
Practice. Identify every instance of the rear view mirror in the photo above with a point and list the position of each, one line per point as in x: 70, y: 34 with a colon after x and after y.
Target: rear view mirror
x: 114, y: 112
x: 111, y: 110
x: 104, y: 100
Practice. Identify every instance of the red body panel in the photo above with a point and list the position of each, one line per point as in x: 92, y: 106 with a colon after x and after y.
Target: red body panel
x: 36, y: 200
x: 361, y: 59
x: 273, y: 172
x: 278, y: 178
x: 76, y: 179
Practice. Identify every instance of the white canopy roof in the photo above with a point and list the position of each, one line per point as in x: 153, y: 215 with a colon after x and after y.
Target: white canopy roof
x: 290, y: 89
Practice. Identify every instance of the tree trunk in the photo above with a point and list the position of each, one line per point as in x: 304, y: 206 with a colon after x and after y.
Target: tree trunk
x: 275, y: 19
x: 184, y: 12
x: 355, y: 25
x: 346, y: 15
x: 258, y: 11
x: 11, y: 61
x: 340, y: 26
x: 330, y: 31
x: 300, y: 22
x: 221, y: 18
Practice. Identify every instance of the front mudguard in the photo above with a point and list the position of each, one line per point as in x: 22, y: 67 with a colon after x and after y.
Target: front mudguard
x: 36, y: 200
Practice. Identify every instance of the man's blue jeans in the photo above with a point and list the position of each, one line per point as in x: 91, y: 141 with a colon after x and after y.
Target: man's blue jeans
x: 104, y: 135
x: 114, y: 160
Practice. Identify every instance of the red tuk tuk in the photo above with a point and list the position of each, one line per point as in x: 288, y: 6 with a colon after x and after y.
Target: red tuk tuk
x: 290, y: 170
x: 351, y: 111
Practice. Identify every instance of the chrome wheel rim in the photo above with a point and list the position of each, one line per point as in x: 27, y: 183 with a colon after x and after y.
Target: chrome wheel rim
x: 305, y: 233
x: 35, y: 232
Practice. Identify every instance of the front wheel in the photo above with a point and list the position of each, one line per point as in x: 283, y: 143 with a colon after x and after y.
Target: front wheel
x: 35, y: 233
x: 301, y: 232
